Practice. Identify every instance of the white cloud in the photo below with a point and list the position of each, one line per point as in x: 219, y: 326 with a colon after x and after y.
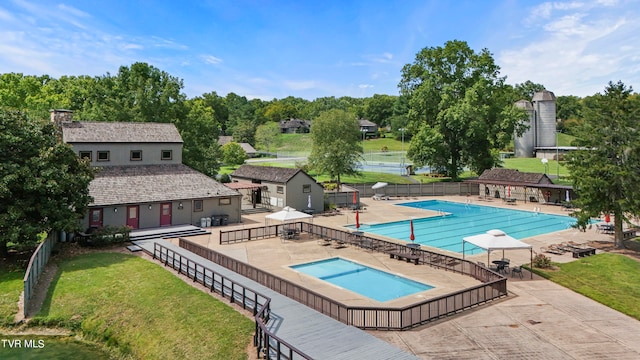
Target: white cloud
x: 210, y: 59
x: 365, y: 86
x: 299, y: 85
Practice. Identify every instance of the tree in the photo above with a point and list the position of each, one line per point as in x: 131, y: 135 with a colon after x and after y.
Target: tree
x: 569, y: 113
x: 527, y: 89
x: 233, y: 154
x: 200, y: 131
x: 336, y: 146
x: 44, y: 185
x: 460, y: 107
x: 379, y: 109
x: 605, y: 169
x: 267, y: 135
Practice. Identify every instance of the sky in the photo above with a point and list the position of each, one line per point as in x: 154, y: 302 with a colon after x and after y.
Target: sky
x: 309, y: 49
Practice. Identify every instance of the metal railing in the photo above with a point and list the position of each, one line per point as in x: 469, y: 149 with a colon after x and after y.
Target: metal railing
x: 493, y: 285
x: 265, y: 341
x: 38, y: 261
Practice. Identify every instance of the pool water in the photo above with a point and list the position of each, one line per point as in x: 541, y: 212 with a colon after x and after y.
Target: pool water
x: 457, y: 221
x: 372, y: 283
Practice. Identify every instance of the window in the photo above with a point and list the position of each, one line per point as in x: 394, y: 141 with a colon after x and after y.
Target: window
x: 103, y: 156
x: 136, y: 155
x: 306, y: 188
x: 86, y: 155
x: 197, y: 205
x: 225, y: 201
x: 280, y: 189
x: 167, y: 154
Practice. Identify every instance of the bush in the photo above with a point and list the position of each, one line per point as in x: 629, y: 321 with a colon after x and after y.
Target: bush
x: 225, y: 178
x: 541, y: 261
x: 106, y: 235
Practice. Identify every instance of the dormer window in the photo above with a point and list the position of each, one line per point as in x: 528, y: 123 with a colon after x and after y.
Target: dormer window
x: 136, y: 155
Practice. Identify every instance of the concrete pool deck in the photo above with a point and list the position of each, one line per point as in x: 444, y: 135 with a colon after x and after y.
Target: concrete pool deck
x: 538, y: 319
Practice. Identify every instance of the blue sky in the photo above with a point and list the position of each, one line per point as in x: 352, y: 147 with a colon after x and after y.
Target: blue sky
x: 309, y: 49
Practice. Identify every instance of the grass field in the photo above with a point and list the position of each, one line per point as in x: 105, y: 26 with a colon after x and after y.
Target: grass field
x: 11, y: 287
x: 611, y: 279
x: 137, y: 308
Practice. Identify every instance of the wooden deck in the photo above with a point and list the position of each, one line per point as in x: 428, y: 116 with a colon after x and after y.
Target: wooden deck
x: 317, y: 335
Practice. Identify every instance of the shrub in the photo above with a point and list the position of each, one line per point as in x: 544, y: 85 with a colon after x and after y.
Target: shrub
x: 106, y: 235
x: 541, y: 261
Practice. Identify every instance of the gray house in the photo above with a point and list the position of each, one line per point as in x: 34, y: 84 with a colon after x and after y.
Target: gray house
x: 279, y: 187
x: 141, y: 181
x: 293, y: 126
x: 368, y: 129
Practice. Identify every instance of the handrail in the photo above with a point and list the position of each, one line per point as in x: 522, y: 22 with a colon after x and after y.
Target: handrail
x: 259, y: 303
x: 365, y: 317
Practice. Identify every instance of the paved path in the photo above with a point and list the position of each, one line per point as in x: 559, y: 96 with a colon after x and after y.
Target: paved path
x: 317, y: 335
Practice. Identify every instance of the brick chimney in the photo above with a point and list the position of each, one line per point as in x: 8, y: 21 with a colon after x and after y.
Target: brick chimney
x: 60, y: 117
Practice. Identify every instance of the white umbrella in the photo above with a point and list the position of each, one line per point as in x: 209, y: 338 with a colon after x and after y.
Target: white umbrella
x: 567, y: 198
x: 309, y: 202
x: 379, y: 185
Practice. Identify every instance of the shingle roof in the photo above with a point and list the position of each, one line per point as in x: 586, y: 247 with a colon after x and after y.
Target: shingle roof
x: 514, y: 176
x: 153, y: 183
x: 365, y: 122
x: 224, y: 139
x: 119, y: 132
x: 265, y: 173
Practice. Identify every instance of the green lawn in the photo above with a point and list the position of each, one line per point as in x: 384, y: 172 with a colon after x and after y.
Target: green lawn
x: 611, y: 279
x: 11, y: 287
x: 139, y: 309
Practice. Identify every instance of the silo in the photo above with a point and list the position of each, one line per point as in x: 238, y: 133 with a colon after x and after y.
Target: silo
x: 544, y: 105
x: 523, y: 145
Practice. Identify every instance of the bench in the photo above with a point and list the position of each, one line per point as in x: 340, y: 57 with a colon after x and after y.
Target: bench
x: 577, y: 253
x: 404, y: 255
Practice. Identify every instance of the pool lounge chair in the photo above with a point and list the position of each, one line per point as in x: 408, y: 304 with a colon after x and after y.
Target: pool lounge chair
x: 552, y: 250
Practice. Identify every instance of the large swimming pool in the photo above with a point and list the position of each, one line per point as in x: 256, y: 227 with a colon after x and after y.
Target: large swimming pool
x: 457, y: 221
x: 366, y: 281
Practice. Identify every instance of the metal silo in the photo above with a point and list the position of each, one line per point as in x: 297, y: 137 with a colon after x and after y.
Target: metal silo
x: 523, y: 145
x: 544, y: 105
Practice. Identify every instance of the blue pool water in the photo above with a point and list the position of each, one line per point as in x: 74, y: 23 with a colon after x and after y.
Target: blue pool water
x: 366, y: 281
x: 461, y: 220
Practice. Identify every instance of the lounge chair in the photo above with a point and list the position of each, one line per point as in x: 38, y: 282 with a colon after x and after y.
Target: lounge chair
x: 552, y: 250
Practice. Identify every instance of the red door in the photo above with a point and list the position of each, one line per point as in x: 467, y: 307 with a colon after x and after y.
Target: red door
x: 133, y: 216
x: 165, y: 214
x: 95, y: 218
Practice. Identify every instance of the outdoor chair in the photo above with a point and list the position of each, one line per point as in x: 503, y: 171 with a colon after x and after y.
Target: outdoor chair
x: 516, y: 270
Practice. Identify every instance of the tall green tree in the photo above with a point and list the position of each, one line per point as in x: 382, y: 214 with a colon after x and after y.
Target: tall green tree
x: 44, y: 185
x: 336, y: 148
x: 605, y: 169
x: 200, y: 130
x: 527, y: 89
x: 460, y: 110
x: 233, y: 154
x: 379, y: 109
x: 267, y: 135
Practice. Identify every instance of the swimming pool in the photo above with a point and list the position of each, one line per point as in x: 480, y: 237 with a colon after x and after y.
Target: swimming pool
x: 458, y: 221
x: 366, y: 281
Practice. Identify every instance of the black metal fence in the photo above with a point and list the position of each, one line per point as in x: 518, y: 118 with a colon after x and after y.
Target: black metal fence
x: 265, y: 341
x: 493, y: 284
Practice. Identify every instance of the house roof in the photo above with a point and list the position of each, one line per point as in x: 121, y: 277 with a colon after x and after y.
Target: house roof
x: 119, y: 132
x: 295, y: 123
x: 265, y: 173
x: 365, y: 122
x: 153, y: 183
x: 222, y: 140
x: 514, y: 176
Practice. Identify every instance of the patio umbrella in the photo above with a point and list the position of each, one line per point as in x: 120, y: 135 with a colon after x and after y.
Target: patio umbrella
x: 355, y: 198
x: 509, y: 191
x: 607, y: 218
x: 566, y: 197
x: 309, y: 202
x: 357, y: 220
x: 412, y: 236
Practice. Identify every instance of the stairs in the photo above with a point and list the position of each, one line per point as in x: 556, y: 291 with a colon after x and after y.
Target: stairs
x: 167, y: 232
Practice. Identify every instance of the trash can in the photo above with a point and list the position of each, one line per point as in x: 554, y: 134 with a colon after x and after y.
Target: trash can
x: 208, y: 222
x: 225, y: 220
x: 203, y: 222
x: 215, y: 220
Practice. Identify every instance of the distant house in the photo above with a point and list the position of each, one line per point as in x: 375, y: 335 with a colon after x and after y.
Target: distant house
x: 279, y: 187
x: 295, y: 126
x: 369, y: 129
x: 248, y: 149
x: 141, y: 181
x: 524, y: 186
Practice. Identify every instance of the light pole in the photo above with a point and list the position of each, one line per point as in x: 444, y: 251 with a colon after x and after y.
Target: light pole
x: 402, y: 131
x: 557, y: 158
x: 545, y: 162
